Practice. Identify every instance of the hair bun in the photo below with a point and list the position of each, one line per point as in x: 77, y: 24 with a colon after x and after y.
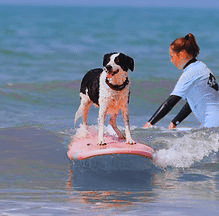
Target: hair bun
x: 187, y: 37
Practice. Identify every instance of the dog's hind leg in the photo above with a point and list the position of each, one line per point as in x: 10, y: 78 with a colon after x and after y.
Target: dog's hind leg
x: 112, y: 122
x: 83, y: 109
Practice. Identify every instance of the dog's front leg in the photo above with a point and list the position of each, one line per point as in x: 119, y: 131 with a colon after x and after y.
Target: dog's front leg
x: 125, y: 116
x: 112, y: 122
x: 101, y: 120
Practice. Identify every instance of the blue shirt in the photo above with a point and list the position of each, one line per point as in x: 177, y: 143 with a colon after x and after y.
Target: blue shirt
x: 193, y: 86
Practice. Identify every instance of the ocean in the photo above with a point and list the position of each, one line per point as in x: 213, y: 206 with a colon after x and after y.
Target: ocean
x: 44, y: 53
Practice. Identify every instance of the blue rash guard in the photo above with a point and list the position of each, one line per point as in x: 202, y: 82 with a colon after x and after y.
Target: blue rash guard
x: 198, y: 86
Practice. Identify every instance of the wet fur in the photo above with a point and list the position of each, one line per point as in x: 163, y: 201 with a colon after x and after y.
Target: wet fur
x: 94, y: 90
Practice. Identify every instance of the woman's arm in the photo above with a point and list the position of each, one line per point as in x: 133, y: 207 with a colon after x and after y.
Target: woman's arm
x: 184, y: 112
x: 165, y: 108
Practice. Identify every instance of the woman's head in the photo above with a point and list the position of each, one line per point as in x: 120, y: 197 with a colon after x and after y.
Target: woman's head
x: 187, y: 43
x: 183, y: 49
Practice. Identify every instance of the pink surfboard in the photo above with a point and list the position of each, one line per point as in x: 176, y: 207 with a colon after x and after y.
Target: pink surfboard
x: 81, y: 149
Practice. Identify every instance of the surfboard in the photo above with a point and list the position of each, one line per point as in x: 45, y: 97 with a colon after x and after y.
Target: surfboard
x: 84, y: 148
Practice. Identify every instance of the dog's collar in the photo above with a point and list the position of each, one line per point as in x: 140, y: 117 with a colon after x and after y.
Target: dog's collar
x: 117, y: 87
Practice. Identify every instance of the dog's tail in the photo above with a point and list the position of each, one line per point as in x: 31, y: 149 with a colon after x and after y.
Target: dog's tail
x: 83, y: 108
x: 78, y: 115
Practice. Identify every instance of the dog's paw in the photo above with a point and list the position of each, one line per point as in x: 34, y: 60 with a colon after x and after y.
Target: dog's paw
x: 101, y: 144
x: 130, y: 142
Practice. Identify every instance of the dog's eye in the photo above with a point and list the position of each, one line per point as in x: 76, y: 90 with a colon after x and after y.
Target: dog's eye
x: 117, y: 60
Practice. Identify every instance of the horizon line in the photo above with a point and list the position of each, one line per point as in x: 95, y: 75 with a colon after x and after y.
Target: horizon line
x: 112, y: 5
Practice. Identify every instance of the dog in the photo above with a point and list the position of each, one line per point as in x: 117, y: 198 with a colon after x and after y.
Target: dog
x: 108, y: 88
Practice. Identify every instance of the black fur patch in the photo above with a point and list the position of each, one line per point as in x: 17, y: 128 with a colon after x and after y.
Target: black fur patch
x: 91, y: 83
x: 124, y: 61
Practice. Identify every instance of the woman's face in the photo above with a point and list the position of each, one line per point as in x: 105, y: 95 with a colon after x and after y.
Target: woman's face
x: 179, y: 59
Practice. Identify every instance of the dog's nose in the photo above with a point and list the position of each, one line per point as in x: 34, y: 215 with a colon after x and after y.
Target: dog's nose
x: 109, y: 67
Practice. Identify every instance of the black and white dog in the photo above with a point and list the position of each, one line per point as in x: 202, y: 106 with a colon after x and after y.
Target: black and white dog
x: 108, y: 89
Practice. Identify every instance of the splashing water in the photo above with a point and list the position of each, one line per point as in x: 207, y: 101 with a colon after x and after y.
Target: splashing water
x: 182, y: 152
x: 179, y: 150
x: 91, y: 131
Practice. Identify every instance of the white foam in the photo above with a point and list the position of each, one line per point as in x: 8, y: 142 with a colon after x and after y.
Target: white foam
x: 184, y: 151
x: 92, y: 130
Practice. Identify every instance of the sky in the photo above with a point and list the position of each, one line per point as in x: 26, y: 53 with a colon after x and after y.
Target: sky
x: 155, y: 3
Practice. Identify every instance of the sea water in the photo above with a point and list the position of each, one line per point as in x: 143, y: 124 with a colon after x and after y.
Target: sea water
x: 45, y: 51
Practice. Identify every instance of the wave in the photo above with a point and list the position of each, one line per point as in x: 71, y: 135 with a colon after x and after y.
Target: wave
x: 190, y: 148
x: 177, y: 149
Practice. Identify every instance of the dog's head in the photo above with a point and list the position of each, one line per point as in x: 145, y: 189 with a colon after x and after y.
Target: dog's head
x: 115, y: 62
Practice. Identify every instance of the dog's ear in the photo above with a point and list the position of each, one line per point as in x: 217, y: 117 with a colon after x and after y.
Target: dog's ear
x: 106, y: 59
x: 130, y: 63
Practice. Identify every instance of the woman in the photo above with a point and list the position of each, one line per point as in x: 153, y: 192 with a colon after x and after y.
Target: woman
x: 197, y: 85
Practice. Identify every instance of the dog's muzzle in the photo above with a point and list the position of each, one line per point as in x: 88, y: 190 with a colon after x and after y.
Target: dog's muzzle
x: 110, y: 72
x: 109, y: 68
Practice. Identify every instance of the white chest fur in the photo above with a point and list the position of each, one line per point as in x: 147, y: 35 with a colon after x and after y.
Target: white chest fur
x: 113, y: 100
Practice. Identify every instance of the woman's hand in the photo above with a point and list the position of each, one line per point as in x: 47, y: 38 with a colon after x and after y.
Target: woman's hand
x: 171, y: 126
x: 147, y: 125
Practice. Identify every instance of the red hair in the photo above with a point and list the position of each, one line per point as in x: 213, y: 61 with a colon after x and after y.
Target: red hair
x: 187, y: 43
